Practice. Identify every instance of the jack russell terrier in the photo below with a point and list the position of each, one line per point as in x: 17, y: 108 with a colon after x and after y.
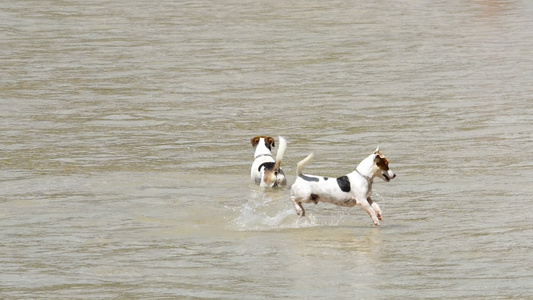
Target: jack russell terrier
x: 266, y: 171
x: 348, y: 190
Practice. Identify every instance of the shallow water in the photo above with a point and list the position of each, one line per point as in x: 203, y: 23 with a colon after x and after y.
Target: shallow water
x: 125, y: 149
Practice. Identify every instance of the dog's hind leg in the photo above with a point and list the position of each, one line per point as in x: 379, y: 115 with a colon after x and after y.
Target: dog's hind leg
x: 370, y: 211
x: 375, y: 206
x: 298, y: 206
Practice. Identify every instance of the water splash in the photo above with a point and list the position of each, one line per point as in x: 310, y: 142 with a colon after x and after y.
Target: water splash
x: 263, y: 212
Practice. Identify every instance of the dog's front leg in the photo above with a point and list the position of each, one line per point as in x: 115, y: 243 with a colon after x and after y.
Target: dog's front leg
x: 369, y: 210
x: 375, y: 206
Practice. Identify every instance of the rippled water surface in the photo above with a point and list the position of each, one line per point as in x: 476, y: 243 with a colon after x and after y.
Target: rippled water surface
x: 125, y: 153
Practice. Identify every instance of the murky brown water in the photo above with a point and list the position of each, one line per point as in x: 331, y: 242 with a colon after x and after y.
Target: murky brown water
x: 125, y: 154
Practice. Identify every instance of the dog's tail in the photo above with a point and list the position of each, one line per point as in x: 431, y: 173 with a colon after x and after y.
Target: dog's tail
x: 281, y: 150
x: 302, y: 163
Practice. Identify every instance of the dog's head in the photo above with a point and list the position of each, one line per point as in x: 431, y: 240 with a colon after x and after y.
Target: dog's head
x: 275, y: 178
x: 383, y: 171
x: 272, y: 175
x: 269, y: 141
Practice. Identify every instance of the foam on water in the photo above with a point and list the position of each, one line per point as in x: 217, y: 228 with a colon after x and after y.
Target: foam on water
x: 264, y: 212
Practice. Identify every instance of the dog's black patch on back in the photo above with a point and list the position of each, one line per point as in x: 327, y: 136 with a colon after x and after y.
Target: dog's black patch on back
x: 325, y: 178
x: 344, y: 183
x: 309, y: 178
x: 314, y: 198
x: 267, y: 165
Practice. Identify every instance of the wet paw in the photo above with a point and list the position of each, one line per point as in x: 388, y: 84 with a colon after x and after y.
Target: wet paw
x: 300, y: 212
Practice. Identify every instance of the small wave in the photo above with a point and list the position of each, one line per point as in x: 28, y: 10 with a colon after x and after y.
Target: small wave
x: 264, y: 212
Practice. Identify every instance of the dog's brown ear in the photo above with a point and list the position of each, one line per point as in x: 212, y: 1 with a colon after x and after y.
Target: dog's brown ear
x: 271, y: 141
x: 381, y: 162
x: 255, y: 141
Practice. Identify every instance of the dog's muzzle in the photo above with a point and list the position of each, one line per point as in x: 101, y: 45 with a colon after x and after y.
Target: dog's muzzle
x: 388, y: 175
x: 279, y: 179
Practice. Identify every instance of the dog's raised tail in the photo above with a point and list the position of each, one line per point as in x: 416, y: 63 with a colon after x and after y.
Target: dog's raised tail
x: 302, y: 163
x: 281, y: 151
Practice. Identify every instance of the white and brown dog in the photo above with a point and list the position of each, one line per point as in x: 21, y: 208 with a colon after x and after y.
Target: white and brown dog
x: 348, y: 190
x: 266, y: 171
